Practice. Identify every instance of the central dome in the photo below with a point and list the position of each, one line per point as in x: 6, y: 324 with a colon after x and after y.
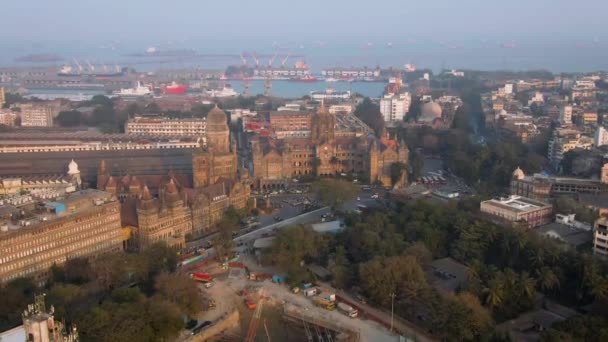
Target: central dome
x: 217, y: 120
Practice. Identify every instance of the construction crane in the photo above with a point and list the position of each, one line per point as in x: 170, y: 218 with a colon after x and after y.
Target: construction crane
x: 253, y: 325
x: 91, y: 67
x: 285, y: 60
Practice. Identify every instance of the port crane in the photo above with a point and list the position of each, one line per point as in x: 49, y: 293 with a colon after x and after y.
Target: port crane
x: 285, y: 60
x: 255, y: 58
x: 243, y: 59
x: 78, y: 65
x: 271, y: 60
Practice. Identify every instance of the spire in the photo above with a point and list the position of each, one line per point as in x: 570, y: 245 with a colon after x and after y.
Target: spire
x: 322, y: 108
x: 171, y: 188
x: 145, y: 194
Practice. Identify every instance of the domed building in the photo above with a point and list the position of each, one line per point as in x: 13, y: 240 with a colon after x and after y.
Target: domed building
x: 217, y: 159
x: 218, y: 132
x: 429, y: 112
x: 518, y: 174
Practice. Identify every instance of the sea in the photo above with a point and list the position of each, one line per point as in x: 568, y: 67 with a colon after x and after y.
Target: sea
x: 559, y: 55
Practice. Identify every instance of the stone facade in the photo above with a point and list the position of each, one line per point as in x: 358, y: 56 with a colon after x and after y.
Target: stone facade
x: 325, y: 153
x: 167, y: 208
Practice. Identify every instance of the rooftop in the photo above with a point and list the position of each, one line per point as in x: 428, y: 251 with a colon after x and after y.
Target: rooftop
x: 263, y: 243
x: 570, y: 235
x: 327, y: 227
x: 517, y: 203
x: 449, y: 274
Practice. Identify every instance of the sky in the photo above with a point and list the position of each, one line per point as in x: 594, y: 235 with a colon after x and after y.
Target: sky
x: 38, y: 21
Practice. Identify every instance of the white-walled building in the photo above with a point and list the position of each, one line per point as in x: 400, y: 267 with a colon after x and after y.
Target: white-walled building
x: 601, y: 137
x: 165, y: 126
x: 565, y: 115
x: 39, y: 114
x: 394, y: 107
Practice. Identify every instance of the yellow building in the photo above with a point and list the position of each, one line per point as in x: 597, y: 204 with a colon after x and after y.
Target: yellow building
x: 85, y: 224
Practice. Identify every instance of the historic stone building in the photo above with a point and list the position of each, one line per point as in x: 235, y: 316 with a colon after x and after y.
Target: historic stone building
x: 167, y: 208
x: 324, y: 153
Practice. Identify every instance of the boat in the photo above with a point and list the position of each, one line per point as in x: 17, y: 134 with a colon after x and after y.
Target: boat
x: 330, y: 94
x: 139, y: 90
x: 331, y: 79
x: 225, y: 91
x: 174, y: 88
x: 307, y: 78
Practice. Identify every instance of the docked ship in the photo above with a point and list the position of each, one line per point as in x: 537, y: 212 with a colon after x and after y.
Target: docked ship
x: 90, y: 70
x: 225, y: 91
x: 305, y: 78
x: 139, y: 90
x: 175, y: 89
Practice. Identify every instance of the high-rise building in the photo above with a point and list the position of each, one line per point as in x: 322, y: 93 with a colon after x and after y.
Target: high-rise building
x: 600, y: 237
x: 39, y: 114
x: 2, y: 97
x: 394, y: 107
x: 84, y: 224
x: 565, y: 115
x: 601, y: 136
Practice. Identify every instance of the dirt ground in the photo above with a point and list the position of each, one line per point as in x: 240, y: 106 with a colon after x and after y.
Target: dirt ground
x: 226, y: 291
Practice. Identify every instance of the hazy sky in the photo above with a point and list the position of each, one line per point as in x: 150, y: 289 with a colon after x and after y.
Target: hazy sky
x: 287, y: 20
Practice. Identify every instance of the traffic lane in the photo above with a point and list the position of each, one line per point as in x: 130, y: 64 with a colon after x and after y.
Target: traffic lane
x: 306, y: 218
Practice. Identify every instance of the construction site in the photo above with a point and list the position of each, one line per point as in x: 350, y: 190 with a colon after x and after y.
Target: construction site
x: 247, y: 302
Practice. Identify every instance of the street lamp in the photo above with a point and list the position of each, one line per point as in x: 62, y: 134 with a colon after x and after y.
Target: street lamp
x: 392, y: 294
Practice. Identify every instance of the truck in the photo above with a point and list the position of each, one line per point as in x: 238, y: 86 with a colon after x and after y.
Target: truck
x: 324, y: 303
x: 348, y: 310
x: 311, y: 292
x: 202, y: 277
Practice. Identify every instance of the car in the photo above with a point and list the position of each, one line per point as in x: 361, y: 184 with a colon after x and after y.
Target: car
x: 375, y: 196
x: 278, y: 218
x: 358, y: 198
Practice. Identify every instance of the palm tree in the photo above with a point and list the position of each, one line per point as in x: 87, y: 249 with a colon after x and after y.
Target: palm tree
x: 599, y: 288
x: 547, y: 279
x: 527, y: 284
x: 494, y: 293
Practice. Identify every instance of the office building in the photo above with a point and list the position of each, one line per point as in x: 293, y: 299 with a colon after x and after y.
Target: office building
x: 39, y: 114
x: 290, y: 123
x: 565, y: 115
x: 517, y: 209
x: 163, y: 126
x: 394, y: 107
x: 83, y: 224
x: 7, y: 117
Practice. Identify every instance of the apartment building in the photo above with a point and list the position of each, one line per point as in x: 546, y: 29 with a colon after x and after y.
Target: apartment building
x: 163, y: 126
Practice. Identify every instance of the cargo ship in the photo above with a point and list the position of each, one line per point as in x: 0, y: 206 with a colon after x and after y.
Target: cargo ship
x: 306, y: 78
x: 174, y: 88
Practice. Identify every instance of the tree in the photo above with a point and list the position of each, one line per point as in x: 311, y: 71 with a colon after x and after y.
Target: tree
x: 179, y: 290
x: 70, y: 118
x: 401, y: 275
x: 342, y: 270
x: 335, y: 192
x: 292, y: 248
x: 547, y: 279
x: 77, y: 271
x: 369, y: 113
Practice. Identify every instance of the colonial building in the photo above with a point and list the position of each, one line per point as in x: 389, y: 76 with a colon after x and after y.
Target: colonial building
x: 277, y: 161
x: 542, y: 187
x: 167, y: 208
x: 84, y: 224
